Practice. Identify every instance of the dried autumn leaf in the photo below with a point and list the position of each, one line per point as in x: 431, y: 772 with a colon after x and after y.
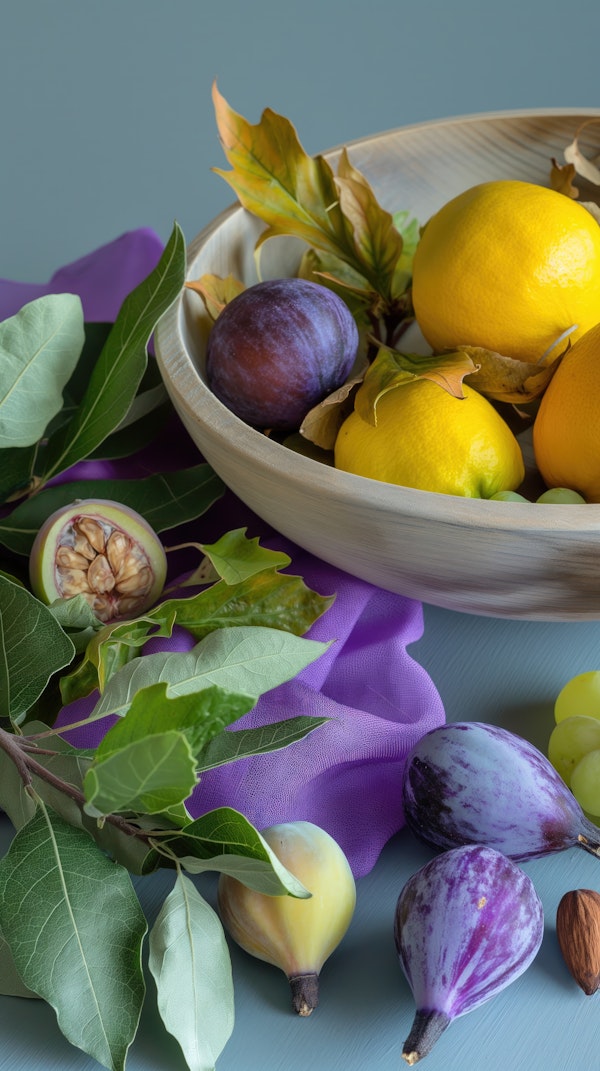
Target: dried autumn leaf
x: 573, y: 154
x: 296, y: 194
x: 376, y: 240
x: 216, y: 292
x: 392, y: 369
x: 322, y: 423
x: 562, y: 179
x: 504, y: 379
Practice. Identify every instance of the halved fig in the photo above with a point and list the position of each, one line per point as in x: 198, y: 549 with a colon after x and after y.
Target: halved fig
x: 102, y: 550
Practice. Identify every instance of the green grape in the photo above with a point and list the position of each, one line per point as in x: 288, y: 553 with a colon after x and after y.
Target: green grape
x: 570, y: 740
x: 585, y: 782
x: 507, y: 496
x: 580, y: 695
x: 562, y: 496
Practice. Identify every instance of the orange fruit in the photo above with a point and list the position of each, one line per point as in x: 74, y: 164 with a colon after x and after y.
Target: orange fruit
x: 566, y: 430
x: 509, y: 266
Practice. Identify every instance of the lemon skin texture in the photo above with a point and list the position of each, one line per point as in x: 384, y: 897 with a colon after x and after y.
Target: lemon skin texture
x: 509, y: 266
x: 427, y: 439
x: 566, y: 430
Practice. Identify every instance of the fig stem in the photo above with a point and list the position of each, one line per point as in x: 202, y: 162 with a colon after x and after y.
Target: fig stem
x: 590, y: 842
x: 305, y: 992
x: 426, y: 1029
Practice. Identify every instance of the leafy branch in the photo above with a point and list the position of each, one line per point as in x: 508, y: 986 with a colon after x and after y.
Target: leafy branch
x: 85, y: 820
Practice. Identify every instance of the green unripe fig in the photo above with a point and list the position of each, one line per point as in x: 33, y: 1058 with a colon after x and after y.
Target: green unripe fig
x: 296, y: 935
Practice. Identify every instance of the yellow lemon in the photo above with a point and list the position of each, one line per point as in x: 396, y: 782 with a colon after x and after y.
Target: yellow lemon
x: 510, y: 266
x: 566, y: 431
x: 428, y: 439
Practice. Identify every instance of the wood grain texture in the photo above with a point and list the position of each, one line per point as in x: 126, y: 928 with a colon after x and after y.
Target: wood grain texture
x: 499, y: 559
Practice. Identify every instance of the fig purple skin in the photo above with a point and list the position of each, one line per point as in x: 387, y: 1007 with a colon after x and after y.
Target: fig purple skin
x: 474, y: 783
x: 467, y: 924
x: 279, y: 348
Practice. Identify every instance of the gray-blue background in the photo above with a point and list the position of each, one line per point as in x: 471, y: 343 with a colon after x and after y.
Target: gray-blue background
x: 107, y: 121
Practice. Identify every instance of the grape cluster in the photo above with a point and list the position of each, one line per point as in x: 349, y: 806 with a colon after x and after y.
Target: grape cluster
x: 574, y: 744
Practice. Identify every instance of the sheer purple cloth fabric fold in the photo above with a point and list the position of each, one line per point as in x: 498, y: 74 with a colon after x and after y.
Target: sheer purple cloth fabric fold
x: 345, y: 776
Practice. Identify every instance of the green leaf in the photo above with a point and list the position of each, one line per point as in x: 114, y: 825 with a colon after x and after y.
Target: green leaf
x: 74, y: 613
x: 199, y: 716
x: 147, y: 775
x: 16, y: 470
x: 39, y: 348
x: 189, y: 955
x: 224, y: 840
x: 237, y: 744
x: 11, y: 983
x: 165, y: 499
x: 108, y: 650
x: 131, y: 438
x: 268, y: 599
x: 245, y: 661
x: 33, y: 646
x: 236, y: 558
x: 122, y: 362
x: 75, y: 930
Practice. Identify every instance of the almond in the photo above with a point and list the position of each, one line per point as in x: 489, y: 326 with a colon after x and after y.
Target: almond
x: 578, y: 933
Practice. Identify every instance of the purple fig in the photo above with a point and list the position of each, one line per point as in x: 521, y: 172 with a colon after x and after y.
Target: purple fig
x: 467, y: 924
x: 474, y: 783
x: 277, y: 349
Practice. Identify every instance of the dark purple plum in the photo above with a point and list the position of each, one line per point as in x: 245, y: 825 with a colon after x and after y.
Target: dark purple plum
x: 467, y: 924
x: 279, y: 348
x: 474, y: 783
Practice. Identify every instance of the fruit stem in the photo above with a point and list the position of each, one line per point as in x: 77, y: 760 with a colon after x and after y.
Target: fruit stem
x: 590, y: 838
x: 305, y: 992
x: 426, y: 1029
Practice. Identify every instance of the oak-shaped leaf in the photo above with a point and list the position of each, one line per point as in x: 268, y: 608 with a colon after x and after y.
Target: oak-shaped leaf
x: 266, y: 599
x: 75, y: 929
x: 189, y: 955
x: 392, y: 370
x: 39, y: 349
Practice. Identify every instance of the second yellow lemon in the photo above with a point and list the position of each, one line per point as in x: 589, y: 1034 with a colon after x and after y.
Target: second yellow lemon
x: 510, y: 266
x: 427, y: 439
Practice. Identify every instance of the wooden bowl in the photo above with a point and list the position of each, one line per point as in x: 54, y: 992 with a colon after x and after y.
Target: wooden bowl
x: 504, y: 559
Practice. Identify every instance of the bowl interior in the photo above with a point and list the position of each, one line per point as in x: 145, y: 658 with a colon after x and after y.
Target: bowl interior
x: 361, y: 525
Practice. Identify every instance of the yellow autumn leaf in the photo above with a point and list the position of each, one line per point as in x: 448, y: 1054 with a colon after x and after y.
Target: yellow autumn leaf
x: 216, y: 291
x: 391, y: 370
x: 296, y: 194
x: 504, y: 379
x: 376, y: 240
x: 322, y: 423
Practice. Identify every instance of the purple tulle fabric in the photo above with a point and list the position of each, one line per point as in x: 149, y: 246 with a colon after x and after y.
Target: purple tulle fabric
x: 345, y: 775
